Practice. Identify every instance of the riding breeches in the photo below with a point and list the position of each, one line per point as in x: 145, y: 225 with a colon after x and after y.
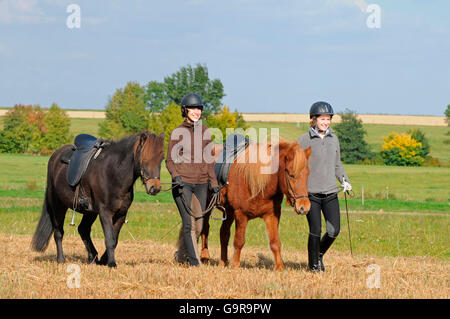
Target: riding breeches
x: 191, y: 202
x: 329, y: 205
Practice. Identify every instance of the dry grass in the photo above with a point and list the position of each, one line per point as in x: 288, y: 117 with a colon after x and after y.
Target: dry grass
x: 146, y: 270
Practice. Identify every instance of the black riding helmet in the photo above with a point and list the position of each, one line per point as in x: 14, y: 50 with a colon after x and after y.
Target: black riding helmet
x: 320, y: 108
x: 191, y: 100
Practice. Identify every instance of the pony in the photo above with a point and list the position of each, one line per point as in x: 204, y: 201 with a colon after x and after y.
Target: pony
x: 251, y: 193
x: 108, y: 185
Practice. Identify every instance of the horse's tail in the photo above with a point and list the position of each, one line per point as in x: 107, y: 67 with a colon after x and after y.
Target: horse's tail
x: 43, y: 231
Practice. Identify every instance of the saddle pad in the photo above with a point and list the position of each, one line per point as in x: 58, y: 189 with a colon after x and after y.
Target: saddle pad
x: 234, y: 145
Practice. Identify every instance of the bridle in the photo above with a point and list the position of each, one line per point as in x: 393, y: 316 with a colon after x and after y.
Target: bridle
x: 292, y: 197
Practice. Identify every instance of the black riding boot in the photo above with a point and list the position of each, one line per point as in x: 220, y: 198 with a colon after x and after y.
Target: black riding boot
x: 313, y: 253
x: 325, y: 243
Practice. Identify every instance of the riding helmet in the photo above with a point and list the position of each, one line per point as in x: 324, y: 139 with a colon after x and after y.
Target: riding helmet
x: 320, y: 108
x: 191, y: 100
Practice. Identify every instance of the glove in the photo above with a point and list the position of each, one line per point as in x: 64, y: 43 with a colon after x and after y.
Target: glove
x: 178, y: 180
x: 215, y: 190
x: 347, y: 186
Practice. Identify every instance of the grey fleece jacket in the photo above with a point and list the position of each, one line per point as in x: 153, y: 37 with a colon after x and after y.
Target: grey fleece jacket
x: 324, y: 163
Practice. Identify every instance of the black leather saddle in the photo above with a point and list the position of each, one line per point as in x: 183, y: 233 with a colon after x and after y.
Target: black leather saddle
x: 234, y: 145
x: 85, y: 147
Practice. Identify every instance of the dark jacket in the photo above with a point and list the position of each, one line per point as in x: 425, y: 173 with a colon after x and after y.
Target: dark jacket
x: 189, y: 154
x: 324, y: 163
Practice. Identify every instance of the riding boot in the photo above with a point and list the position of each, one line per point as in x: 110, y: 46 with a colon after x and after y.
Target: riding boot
x: 325, y: 243
x: 313, y: 253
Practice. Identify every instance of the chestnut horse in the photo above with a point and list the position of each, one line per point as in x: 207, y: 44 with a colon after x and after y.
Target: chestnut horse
x: 108, y: 184
x: 251, y: 193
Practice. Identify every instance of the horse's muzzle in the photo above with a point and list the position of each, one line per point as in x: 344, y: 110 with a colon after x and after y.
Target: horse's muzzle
x: 302, y: 208
x: 152, y: 188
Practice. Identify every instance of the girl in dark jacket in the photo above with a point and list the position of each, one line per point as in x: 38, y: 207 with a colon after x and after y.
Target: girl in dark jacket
x: 190, y: 162
x: 325, y: 166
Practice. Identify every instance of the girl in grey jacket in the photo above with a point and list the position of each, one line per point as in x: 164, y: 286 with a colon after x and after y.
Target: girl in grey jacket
x: 325, y: 166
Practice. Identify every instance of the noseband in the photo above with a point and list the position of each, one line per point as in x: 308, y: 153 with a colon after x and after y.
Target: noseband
x: 145, y: 179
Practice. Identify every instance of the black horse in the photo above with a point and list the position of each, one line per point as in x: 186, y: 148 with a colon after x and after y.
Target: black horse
x: 107, y: 185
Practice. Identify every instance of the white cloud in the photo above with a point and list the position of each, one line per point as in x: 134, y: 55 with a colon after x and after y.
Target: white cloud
x: 22, y: 11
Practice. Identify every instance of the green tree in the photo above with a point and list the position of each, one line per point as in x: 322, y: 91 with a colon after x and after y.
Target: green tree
x: 351, y: 138
x: 57, y: 132
x: 226, y: 119
x: 169, y: 119
x: 19, y: 128
x: 126, y: 112
x: 189, y: 79
x: 156, y: 98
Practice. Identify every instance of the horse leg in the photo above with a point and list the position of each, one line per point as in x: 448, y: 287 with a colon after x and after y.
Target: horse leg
x: 204, y: 255
x: 108, y: 256
x: 225, y: 238
x: 239, y: 237
x: 59, y: 214
x: 84, y: 229
x: 110, y: 242
x: 272, y: 222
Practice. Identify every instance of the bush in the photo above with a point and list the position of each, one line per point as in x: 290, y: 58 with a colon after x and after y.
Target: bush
x: 419, y: 136
x: 225, y: 119
x: 21, y: 129
x: 401, y: 150
x: 31, y: 129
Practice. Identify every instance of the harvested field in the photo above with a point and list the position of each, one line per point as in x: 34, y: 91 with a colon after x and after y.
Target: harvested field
x: 146, y: 270
x: 426, y: 120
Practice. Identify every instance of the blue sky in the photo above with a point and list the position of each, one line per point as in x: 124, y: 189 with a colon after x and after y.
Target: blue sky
x: 271, y: 56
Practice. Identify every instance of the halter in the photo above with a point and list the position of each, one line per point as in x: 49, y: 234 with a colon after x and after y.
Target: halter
x: 145, y: 179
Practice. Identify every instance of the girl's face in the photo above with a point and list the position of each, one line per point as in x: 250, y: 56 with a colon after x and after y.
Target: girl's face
x: 194, y: 114
x: 323, y: 122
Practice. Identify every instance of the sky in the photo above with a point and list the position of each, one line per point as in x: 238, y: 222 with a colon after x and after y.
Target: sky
x: 374, y: 56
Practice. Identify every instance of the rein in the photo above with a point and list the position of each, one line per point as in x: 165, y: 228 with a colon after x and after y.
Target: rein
x: 214, y: 203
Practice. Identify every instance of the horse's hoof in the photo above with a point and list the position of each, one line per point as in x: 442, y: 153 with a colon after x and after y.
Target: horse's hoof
x: 60, y: 260
x: 112, y: 265
x: 279, y: 268
x: 204, y: 260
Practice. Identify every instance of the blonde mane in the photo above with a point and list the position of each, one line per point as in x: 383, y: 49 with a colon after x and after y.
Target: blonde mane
x: 253, y: 170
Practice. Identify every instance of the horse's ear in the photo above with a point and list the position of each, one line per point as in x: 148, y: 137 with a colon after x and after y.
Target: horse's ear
x: 161, y: 135
x: 308, y: 152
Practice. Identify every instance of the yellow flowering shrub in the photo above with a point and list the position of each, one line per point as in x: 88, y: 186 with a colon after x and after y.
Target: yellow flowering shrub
x: 401, y: 150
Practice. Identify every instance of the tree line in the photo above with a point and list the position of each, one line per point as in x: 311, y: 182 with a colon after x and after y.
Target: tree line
x: 155, y: 107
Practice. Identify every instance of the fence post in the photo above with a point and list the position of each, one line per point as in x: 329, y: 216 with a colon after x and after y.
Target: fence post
x: 362, y: 195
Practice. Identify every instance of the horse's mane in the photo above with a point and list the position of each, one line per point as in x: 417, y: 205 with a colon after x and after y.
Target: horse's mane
x: 124, y: 145
x: 253, y: 172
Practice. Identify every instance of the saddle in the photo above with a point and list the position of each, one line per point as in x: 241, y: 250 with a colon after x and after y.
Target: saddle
x: 85, y: 148
x: 234, y: 145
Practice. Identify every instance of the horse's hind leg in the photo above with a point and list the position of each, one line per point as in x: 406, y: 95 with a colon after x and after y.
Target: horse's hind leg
x: 274, y: 237
x: 204, y: 255
x: 225, y: 238
x: 59, y: 214
x: 84, y: 229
